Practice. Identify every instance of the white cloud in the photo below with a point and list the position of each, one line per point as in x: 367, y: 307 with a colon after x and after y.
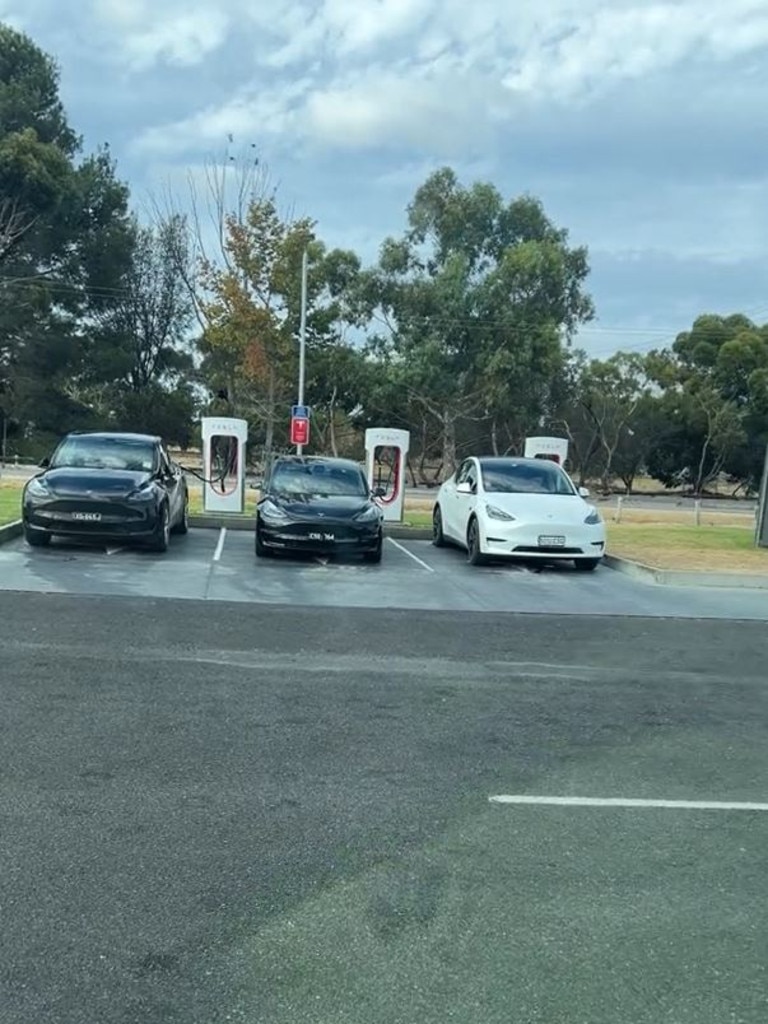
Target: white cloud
x: 144, y: 33
x: 400, y: 108
x: 248, y: 116
x: 434, y: 74
x: 611, y: 43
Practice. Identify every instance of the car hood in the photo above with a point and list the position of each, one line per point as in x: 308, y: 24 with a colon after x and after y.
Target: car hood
x: 106, y: 483
x: 315, y: 506
x: 566, y: 509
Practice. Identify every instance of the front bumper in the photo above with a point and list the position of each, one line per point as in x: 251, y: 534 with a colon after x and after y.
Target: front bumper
x: 313, y: 537
x: 542, y: 541
x: 74, y: 518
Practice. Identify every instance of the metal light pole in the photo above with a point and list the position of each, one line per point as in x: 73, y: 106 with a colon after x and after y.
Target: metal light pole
x: 302, y: 335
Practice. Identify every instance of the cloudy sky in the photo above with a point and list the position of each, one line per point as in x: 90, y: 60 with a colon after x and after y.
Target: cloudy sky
x: 641, y: 125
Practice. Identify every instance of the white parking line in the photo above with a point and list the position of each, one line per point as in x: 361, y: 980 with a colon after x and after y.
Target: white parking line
x: 410, y: 554
x: 590, y: 801
x: 220, y: 545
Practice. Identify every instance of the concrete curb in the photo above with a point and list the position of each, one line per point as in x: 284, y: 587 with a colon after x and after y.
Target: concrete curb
x: 10, y: 531
x: 680, y: 578
x: 218, y: 522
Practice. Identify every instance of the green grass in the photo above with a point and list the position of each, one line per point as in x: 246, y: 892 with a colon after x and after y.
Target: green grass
x: 196, y: 502
x: 721, y: 548
x: 418, y: 520
x: 10, y: 503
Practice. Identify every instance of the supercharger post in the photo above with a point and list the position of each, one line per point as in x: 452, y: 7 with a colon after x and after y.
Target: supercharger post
x: 386, y: 454
x: 553, y: 448
x: 761, y: 532
x: 224, y: 441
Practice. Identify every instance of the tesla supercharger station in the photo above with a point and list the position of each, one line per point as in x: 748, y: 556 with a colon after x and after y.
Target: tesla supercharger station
x: 386, y: 454
x: 554, y: 448
x: 224, y: 441
x: 761, y: 532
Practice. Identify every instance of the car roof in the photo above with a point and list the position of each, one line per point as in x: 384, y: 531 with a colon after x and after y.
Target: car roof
x: 514, y: 460
x: 328, y: 460
x: 123, y: 436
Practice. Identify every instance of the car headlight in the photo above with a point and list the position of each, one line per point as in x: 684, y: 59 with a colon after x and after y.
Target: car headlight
x: 37, y: 489
x: 143, y: 493
x: 498, y: 513
x: 593, y: 519
x: 369, y: 515
x: 269, y: 510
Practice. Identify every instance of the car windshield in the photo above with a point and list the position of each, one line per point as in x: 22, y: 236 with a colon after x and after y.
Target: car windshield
x: 319, y: 479
x: 536, y: 477
x: 105, y: 453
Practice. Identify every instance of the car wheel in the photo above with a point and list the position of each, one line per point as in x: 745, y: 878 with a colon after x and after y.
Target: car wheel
x: 438, y: 537
x: 474, y: 554
x: 36, y: 539
x: 374, y: 557
x: 182, y: 526
x: 587, y: 564
x: 162, y: 536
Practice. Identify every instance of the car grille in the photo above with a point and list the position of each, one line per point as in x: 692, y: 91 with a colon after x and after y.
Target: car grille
x: 524, y: 549
x: 302, y: 531
x: 110, y: 511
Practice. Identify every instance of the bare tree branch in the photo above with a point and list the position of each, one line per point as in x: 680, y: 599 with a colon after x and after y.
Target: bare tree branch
x: 14, y: 224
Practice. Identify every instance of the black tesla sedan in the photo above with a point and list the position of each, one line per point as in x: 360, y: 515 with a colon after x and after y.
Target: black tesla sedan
x: 318, y: 505
x: 107, y: 486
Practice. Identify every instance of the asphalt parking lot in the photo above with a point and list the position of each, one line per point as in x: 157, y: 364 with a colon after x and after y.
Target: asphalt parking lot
x: 217, y: 811
x: 264, y: 791
x: 215, y: 565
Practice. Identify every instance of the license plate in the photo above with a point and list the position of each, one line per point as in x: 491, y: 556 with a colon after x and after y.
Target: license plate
x: 551, y: 542
x: 87, y: 517
x: 322, y: 536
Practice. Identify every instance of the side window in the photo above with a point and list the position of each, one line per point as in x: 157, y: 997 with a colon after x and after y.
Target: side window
x: 471, y: 476
x: 463, y: 473
x: 163, y: 462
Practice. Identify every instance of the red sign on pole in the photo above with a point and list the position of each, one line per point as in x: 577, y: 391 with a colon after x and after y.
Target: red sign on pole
x: 299, y: 431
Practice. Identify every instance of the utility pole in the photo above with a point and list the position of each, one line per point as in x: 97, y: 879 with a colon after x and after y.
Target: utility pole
x: 303, y: 335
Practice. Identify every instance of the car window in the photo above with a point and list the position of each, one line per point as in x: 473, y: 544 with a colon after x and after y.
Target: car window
x: 105, y: 453
x: 318, y: 479
x: 463, y: 472
x: 534, y: 477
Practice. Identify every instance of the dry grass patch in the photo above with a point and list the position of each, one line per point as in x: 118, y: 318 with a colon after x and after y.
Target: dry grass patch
x: 699, y: 549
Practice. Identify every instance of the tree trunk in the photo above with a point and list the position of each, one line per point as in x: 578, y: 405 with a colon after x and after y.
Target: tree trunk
x: 423, y: 466
x: 607, y: 467
x: 699, y: 482
x: 628, y: 480
x: 332, y: 424
x: 594, y: 445
x: 269, y: 419
x: 449, y: 441
x: 423, y: 453
x: 494, y: 437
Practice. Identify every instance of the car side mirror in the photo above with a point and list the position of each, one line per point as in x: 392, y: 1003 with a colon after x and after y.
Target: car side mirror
x: 584, y: 492
x: 465, y: 487
x: 379, y: 492
x: 44, y: 463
